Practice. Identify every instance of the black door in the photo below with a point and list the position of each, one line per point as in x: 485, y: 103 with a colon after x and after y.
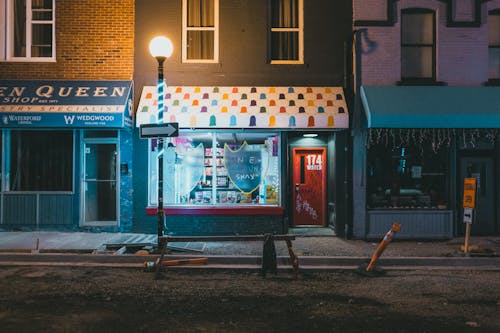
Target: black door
x: 480, y: 168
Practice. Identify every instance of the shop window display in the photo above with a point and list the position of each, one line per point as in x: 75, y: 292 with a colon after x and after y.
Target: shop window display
x: 40, y: 161
x: 408, y: 177
x: 218, y: 168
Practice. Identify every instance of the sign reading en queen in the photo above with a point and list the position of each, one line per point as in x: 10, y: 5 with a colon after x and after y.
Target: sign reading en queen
x: 247, y: 107
x: 61, y: 103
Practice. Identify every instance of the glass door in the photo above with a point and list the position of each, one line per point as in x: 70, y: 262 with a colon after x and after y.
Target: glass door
x: 100, y: 183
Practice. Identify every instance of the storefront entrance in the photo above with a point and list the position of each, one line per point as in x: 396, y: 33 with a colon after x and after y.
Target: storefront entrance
x: 100, y: 183
x: 309, y: 181
x: 480, y: 168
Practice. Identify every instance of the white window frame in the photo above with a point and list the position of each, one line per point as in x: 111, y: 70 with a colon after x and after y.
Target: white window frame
x: 300, y: 30
x: 185, y: 30
x: 9, y: 34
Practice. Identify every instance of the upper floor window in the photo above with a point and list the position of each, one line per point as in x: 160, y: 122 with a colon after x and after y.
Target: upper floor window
x: 494, y: 45
x: 30, y: 27
x: 200, y: 31
x: 418, y: 45
x: 287, y: 32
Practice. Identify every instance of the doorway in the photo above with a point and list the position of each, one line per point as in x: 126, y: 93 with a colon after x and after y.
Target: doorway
x: 99, y: 185
x: 481, y: 168
x: 309, y: 186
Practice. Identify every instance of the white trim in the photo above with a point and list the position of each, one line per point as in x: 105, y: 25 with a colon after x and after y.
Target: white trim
x: 287, y: 62
x: 215, y: 29
x: 3, y: 28
x: 9, y: 40
x: 300, y: 30
x: 5, y: 179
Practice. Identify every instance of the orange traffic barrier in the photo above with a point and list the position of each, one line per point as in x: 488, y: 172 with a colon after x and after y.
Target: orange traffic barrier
x: 383, y: 244
x: 176, y: 262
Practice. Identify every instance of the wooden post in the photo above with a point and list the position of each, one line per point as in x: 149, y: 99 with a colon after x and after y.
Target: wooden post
x: 467, y: 237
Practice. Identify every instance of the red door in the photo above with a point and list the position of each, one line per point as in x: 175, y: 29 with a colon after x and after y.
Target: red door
x: 309, y: 186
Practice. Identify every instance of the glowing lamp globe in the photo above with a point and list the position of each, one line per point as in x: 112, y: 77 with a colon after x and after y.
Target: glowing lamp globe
x: 161, y: 46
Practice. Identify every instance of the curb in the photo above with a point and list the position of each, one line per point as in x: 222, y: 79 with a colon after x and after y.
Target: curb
x: 306, y: 263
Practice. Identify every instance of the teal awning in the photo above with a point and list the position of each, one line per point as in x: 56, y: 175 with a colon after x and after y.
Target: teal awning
x: 431, y: 107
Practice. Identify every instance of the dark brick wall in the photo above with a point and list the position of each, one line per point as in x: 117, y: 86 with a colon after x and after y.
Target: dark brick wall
x: 209, y: 225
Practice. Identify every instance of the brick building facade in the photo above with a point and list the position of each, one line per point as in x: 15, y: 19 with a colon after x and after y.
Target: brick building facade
x: 95, y: 41
x: 427, y: 106
x: 68, y: 164
x: 262, y: 74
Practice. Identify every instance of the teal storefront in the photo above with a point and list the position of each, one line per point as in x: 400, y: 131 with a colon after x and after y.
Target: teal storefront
x: 238, y: 151
x: 66, y: 155
x: 410, y: 159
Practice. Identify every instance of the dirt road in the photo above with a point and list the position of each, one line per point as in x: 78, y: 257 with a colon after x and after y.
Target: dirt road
x: 58, y: 299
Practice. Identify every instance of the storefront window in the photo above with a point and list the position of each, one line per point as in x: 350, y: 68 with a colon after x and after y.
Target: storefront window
x: 1, y: 156
x: 410, y: 177
x: 41, y: 161
x: 218, y: 168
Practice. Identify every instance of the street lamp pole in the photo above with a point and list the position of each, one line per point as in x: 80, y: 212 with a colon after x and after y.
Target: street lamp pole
x: 159, y: 145
x: 161, y: 48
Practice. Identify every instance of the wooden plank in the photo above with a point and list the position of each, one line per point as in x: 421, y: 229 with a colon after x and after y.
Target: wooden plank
x: 223, y: 238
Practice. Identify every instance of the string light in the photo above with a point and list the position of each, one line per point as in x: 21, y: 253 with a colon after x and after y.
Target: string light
x: 436, y: 138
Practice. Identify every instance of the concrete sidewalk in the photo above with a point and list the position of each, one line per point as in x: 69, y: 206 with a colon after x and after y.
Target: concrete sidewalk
x: 305, y: 245
x: 319, y: 251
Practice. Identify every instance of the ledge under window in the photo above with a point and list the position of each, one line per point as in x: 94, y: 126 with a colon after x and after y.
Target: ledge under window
x: 207, y: 210
x: 492, y: 82
x: 420, y: 82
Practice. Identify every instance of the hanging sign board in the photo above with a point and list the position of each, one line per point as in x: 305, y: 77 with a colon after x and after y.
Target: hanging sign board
x: 469, y: 199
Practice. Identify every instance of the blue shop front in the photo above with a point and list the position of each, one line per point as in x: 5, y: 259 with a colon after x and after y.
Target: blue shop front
x: 66, y: 154
x: 410, y: 162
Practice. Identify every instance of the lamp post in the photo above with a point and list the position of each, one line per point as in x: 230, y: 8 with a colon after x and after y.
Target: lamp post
x: 161, y: 48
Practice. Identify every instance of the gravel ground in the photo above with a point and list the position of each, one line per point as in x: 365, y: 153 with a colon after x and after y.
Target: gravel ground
x: 63, y: 299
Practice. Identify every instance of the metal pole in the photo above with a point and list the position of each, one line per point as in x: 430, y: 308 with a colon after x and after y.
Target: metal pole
x: 160, y: 84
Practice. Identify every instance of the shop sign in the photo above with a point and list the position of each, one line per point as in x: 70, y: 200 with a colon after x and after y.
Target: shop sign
x: 65, y: 103
x: 469, y: 199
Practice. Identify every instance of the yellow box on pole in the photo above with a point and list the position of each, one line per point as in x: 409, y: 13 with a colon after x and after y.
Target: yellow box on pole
x: 469, y: 200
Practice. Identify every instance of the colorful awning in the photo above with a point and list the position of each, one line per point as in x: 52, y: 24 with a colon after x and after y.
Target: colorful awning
x: 247, y: 107
x: 431, y: 106
x: 33, y: 103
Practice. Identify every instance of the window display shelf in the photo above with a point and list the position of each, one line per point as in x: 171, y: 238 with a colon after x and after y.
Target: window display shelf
x: 218, y: 210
